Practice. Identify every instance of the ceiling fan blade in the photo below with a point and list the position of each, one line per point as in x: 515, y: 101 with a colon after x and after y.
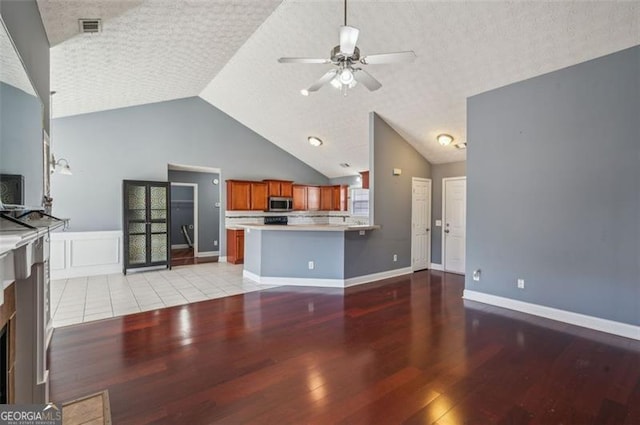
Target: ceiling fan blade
x: 364, y: 78
x: 348, y: 39
x: 303, y: 60
x: 322, y: 81
x: 382, y: 58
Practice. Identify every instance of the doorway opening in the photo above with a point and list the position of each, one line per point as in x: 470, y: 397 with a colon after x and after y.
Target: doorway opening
x: 195, y: 209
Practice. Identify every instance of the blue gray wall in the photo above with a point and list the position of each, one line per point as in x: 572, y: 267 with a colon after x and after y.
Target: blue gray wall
x: 553, y: 170
x: 391, y: 197
x: 208, y: 213
x: 182, y: 204
x: 21, y: 140
x: 104, y: 148
x: 24, y: 23
x: 438, y: 172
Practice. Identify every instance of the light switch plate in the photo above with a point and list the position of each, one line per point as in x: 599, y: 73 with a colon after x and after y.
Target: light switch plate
x: 439, y: 223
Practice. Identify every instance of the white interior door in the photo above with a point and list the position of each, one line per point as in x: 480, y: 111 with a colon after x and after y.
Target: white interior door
x: 420, y: 223
x: 454, y: 214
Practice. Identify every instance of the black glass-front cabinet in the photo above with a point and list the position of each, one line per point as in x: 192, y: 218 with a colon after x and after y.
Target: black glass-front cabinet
x: 147, y: 223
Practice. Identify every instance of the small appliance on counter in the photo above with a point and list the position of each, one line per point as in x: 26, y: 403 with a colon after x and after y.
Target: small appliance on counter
x: 277, y: 220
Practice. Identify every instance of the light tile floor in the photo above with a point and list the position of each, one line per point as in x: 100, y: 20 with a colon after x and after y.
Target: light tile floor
x: 84, y: 299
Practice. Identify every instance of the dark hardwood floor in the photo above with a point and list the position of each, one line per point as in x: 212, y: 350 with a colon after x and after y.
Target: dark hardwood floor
x: 186, y: 257
x: 405, y: 350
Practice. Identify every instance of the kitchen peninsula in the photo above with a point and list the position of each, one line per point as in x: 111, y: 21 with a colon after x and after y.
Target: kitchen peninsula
x: 324, y: 255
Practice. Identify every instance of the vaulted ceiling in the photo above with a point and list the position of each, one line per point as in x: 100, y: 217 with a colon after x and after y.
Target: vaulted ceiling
x: 226, y: 52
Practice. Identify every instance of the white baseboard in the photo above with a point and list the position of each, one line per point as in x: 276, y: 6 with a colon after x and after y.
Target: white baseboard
x: 359, y: 280
x: 436, y: 266
x: 222, y: 259
x: 180, y: 246
x: 207, y: 254
x: 591, y: 322
x: 79, y: 254
x: 326, y: 283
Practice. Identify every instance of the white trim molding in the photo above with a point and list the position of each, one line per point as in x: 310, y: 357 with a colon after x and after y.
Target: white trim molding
x: 207, y: 254
x: 222, y: 259
x: 79, y: 254
x: 436, y: 266
x: 604, y: 325
x: 326, y: 283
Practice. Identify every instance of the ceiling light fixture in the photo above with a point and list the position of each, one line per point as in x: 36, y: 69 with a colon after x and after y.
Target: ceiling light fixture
x: 444, y: 139
x: 314, y: 141
x: 304, y: 92
x: 345, y: 165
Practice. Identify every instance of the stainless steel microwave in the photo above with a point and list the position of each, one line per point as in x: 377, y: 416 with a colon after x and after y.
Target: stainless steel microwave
x: 277, y: 203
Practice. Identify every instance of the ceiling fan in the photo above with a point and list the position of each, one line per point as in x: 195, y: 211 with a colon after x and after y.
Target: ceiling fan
x: 346, y: 57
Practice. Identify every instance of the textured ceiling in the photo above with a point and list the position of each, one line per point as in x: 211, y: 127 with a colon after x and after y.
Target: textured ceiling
x: 11, y: 69
x: 148, y: 51
x: 227, y: 52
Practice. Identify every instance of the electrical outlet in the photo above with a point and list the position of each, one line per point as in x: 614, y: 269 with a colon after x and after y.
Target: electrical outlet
x: 312, y: 265
x: 521, y: 283
x: 476, y: 275
x: 215, y: 243
x: 361, y: 232
x: 395, y: 257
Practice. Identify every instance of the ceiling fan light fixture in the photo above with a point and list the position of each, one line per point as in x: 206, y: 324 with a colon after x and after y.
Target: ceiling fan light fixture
x: 304, y: 92
x: 314, y: 141
x: 346, y: 76
x: 444, y: 139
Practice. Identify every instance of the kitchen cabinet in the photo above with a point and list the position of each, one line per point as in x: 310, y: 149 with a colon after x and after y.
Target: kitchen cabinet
x: 238, y: 195
x: 258, y: 196
x: 282, y: 188
x: 313, y: 198
x: 339, y: 194
x: 299, y: 197
x: 326, y: 198
x: 364, y: 175
x: 243, y: 195
x: 146, y: 224
x: 235, y: 246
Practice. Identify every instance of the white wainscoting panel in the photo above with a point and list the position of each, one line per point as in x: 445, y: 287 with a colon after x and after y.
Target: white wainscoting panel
x: 77, y: 254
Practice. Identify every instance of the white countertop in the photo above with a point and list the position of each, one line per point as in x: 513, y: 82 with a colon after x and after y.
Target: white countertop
x: 12, y: 237
x: 308, y: 227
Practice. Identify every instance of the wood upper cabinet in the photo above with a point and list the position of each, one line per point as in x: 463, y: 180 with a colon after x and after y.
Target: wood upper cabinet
x: 245, y: 195
x: 365, y: 179
x: 313, y: 198
x: 339, y: 195
x: 299, y: 197
x: 283, y: 188
x: 238, y: 195
x: 259, y: 196
x: 326, y: 198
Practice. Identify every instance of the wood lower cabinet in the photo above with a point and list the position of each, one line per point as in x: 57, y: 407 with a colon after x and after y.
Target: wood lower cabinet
x: 243, y: 195
x: 313, y: 198
x: 235, y: 246
x: 282, y: 188
x: 299, y: 197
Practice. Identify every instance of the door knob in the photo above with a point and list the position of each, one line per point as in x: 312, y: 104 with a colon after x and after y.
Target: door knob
x: 428, y: 229
x: 446, y: 231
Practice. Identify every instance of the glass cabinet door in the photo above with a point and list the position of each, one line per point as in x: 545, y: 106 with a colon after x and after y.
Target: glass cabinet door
x: 158, y: 223
x: 136, y: 213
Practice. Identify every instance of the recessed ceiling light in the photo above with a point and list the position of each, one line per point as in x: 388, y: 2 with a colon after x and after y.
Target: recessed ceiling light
x: 345, y: 165
x: 444, y: 139
x: 461, y: 145
x: 314, y: 141
x: 304, y: 92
